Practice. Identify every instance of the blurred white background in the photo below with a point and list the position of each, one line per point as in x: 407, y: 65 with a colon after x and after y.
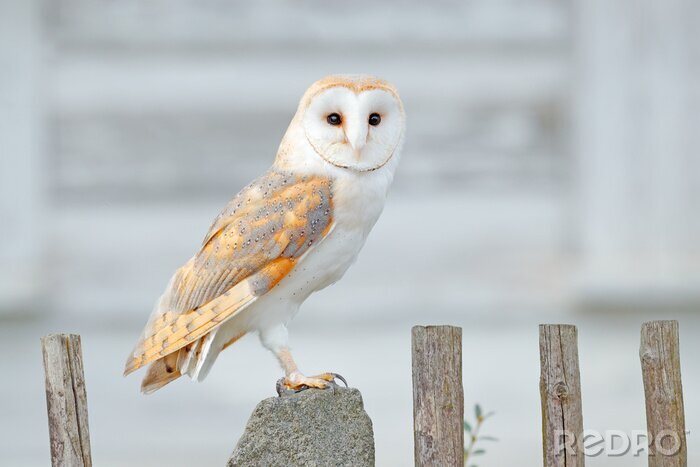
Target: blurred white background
x: 550, y: 174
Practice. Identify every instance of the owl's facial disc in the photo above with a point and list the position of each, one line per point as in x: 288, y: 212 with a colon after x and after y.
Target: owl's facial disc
x: 354, y: 130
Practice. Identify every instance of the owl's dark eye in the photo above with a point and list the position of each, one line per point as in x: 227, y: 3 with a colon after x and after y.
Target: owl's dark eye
x: 375, y: 119
x: 334, y: 119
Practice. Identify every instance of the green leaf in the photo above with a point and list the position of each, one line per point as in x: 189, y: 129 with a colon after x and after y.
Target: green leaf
x: 488, y: 438
x: 478, y: 452
x: 467, y: 427
x: 477, y: 411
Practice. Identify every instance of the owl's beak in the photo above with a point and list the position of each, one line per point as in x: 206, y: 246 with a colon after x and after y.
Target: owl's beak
x: 357, y: 137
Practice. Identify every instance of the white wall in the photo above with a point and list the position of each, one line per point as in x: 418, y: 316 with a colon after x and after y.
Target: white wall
x: 638, y: 175
x: 21, y: 164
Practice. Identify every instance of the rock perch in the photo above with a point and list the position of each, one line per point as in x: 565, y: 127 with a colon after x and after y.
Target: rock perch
x: 309, y: 428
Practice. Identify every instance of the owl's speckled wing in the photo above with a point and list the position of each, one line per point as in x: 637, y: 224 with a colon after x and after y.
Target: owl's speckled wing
x: 254, y: 243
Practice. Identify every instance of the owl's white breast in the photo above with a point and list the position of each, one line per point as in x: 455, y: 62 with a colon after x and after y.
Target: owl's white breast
x: 357, y: 203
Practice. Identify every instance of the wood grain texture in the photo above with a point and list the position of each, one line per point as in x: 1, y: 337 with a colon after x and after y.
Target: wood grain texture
x: 663, y: 393
x: 66, y: 400
x: 438, y: 396
x: 560, y: 391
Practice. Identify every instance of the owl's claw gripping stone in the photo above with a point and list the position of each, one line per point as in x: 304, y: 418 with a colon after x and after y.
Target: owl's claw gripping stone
x: 298, y: 383
x: 337, y: 376
x: 281, y: 388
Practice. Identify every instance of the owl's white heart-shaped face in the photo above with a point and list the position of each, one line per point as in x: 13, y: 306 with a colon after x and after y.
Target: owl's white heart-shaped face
x: 354, y: 129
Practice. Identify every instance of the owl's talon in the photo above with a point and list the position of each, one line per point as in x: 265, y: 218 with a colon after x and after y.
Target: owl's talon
x: 279, y: 387
x: 295, y: 383
x: 337, y: 376
x: 284, y: 388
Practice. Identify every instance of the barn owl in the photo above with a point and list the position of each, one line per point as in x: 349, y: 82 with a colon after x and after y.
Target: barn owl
x: 289, y: 233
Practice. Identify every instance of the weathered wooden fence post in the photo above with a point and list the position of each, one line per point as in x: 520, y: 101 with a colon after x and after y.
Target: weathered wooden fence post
x: 663, y: 392
x: 66, y: 400
x: 560, y: 391
x: 438, y: 396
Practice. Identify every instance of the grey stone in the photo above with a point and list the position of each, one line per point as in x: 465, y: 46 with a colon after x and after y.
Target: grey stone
x: 309, y: 428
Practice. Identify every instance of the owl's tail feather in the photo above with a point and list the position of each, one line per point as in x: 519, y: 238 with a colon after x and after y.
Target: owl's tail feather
x: 194, y: 360
x: 160, y: 373
x: 185, y: 361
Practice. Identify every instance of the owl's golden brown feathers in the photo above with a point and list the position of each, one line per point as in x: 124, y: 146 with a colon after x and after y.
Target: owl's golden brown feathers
x: 250, y: 247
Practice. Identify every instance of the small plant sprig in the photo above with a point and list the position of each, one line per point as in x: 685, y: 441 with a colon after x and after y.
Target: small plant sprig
x: 471, y: 433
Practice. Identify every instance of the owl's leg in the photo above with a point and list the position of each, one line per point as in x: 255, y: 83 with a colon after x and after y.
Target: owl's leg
x: 275, y: 339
